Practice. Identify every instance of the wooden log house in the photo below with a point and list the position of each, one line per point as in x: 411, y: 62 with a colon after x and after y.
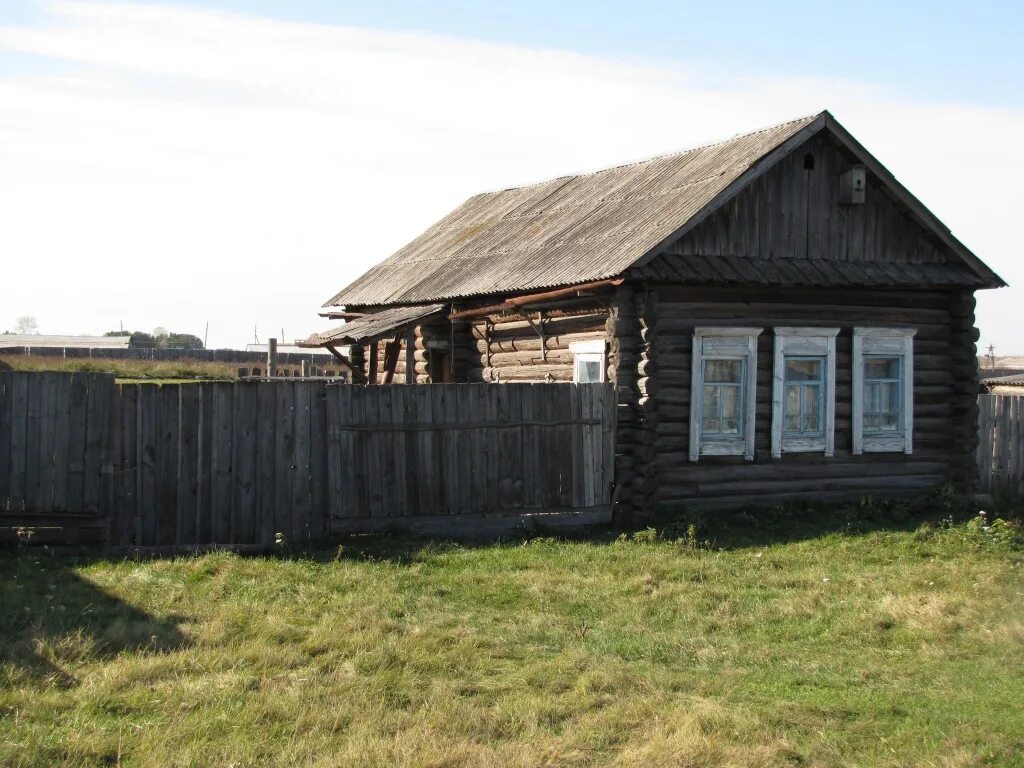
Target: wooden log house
x: 782, y: 318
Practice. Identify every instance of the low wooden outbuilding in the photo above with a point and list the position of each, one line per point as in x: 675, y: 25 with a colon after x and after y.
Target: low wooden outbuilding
x: 1004, y: 385
x: 782, y: 318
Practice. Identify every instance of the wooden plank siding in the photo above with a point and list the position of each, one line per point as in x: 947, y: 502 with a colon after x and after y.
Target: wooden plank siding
x: 732, y: 481
x: 793, y: 213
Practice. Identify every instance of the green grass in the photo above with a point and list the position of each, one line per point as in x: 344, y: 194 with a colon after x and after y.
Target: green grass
x: 128, y: 371
x: 877, y: 648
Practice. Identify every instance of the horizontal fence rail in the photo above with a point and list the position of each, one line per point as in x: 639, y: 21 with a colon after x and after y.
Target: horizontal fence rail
x: 251, y: 464
x: 1000, y: 456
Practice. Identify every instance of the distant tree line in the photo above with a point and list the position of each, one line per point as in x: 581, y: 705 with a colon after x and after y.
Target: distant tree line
x: 160, y: 338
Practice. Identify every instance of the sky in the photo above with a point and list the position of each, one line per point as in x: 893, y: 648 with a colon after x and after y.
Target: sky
x: 223, y: 167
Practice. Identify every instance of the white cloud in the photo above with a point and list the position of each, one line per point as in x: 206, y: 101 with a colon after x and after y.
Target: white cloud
x: 192, y: 165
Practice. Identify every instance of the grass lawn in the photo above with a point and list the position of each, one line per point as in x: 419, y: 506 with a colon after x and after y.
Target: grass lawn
x: 879, y: 648
x: 127, y: 371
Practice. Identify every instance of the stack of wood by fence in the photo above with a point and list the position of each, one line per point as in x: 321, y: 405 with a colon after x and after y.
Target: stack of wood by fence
x: 251, y: 464
x: 1001, y: 443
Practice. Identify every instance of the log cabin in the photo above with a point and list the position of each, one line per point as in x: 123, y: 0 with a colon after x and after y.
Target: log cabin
x: 782, y: 319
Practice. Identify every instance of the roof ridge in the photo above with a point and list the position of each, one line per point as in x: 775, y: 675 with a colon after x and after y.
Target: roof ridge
x: 765, y: 129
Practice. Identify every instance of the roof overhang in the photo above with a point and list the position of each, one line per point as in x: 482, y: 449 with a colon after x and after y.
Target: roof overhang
x: 369, y: 328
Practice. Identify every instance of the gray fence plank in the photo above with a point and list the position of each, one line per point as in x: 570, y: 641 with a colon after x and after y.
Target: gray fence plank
x: 61, y: 431
x: 301, y: 479
x: 204, y: 465
x: 186, y: 531
x: 34, y: 434
x: 222, y: 454
x: 6, y: 426
x: 19, y: 443
x: 148, y: 426
x: 243, y: 463
x: 318, y: 461
x: 284, y: 472
x: 266, y: 461
x: 123, y: 517
x: 168, y: 407
x: 77, y: 426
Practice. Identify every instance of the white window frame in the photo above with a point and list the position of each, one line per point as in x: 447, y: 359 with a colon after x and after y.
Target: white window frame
x: 891, y: 342
x: 804, y: 342
x: 724, y: 344
x: 587, y: 351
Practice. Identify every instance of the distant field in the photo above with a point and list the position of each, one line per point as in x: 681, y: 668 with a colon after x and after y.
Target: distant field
x: 165, y: 370
x: 886, y: 648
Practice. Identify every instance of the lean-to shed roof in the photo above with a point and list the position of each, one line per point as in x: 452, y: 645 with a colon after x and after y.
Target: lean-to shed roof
x: 373, y: 326
x: 578, y: 229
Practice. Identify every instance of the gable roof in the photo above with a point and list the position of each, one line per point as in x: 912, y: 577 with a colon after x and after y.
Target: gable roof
x: 584, y: 228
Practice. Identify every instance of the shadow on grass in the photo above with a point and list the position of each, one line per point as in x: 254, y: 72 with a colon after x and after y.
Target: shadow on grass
x: 734, y: 529
x: 52, y: 615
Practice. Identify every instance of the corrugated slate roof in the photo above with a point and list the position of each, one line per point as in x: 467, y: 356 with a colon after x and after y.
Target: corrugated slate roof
x: 1015, y: 380
x: 568, y: 230
x: 372, y: 326
x: 580, y: 229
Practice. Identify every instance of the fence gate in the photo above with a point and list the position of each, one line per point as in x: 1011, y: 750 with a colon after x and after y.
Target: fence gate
x: 400, y: 454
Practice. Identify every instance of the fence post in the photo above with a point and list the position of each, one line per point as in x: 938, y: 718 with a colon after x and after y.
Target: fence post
x: 271, y: 357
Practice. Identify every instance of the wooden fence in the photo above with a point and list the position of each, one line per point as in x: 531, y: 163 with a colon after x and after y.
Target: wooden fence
x: 248, y: 464
x: 1001, y: 443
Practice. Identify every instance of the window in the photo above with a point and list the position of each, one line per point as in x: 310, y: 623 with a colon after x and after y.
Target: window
x: 883, y: 390
x: 803, y: 411
x: 722, y: 414
x: 883, y: 398
x: 803, y: 391
x: 723, y: 392
x: 588, y: 361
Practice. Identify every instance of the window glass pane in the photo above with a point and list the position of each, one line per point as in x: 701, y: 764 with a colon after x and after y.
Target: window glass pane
x: 811, y: 405
x: 589, y: 371
x: 730, y: 410
x: 881, y: 367
x: 890, y: 410
x: 726, y: 371
x: 892, y: 396
x: 803, y: 370
x: 792, y: 410
x: 872, y: 398
x: 711, y: 403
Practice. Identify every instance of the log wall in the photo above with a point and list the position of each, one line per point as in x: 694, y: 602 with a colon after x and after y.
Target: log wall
x: 945, y: 381
x: 507, y: 348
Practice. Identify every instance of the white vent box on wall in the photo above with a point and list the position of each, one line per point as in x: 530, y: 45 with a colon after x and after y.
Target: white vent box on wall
x: 852, y: 186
